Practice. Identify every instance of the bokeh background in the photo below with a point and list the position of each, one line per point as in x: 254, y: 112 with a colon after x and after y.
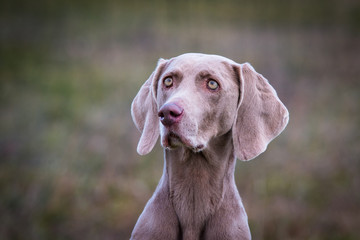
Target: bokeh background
x: 70, y: 69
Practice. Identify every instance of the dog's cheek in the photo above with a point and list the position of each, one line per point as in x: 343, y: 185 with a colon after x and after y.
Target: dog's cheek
x: 225, y: 123
x: 227, y: 115
x: 161, y: 98
x: 208, y: 127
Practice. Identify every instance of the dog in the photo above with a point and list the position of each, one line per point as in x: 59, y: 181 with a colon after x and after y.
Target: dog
x: 209, y: 111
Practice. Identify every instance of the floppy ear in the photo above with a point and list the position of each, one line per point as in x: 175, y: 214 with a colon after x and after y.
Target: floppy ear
x: 261, y: 116
x: 144, y: 112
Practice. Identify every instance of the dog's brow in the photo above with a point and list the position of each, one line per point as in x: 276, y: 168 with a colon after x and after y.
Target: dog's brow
x: 207, y: 74
x: 173, y: 73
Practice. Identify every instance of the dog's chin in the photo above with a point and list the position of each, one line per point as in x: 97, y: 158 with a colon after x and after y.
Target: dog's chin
x: 172, y: 141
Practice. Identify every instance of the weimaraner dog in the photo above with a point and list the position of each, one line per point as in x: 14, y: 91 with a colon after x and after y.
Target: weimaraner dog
x: 208, y: 111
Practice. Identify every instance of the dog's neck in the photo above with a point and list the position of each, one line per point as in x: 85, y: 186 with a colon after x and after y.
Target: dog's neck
x: 198, y: 181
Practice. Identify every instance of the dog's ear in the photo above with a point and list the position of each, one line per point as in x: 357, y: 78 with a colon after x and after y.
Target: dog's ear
x: 144, y: 111
x: 261, y: 116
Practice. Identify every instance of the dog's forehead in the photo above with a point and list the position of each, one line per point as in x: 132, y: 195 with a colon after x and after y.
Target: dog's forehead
x: 195, y: 62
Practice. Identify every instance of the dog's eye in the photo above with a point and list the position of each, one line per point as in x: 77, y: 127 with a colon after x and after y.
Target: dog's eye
x: 168, y: 82
x: 212, y: 85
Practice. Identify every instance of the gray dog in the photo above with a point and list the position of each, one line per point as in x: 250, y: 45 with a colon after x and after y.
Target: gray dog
x: 208, y: 111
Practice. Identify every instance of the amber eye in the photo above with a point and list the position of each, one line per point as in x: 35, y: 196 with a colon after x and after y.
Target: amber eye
x: 212, y: 85
x: 168, y: 82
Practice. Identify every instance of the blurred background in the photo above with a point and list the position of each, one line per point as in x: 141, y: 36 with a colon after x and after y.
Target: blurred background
x: 70, y: 69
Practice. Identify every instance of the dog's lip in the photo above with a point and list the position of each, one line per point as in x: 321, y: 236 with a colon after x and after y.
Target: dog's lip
x: 171, y: 135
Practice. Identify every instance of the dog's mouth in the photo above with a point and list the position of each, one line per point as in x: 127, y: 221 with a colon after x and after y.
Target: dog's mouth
x: 173, y: 140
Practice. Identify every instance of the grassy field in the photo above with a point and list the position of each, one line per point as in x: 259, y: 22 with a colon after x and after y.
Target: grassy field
x: 70, y: 69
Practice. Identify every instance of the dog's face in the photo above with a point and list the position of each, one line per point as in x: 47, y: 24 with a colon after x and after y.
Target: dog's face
x: 192, y: 98
x: 205, y: 92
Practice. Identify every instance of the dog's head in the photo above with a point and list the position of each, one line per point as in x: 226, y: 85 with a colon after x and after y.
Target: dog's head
x: 193, y: 98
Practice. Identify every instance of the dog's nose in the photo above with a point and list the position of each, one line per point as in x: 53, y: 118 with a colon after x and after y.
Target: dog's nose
x: 170, y: 113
